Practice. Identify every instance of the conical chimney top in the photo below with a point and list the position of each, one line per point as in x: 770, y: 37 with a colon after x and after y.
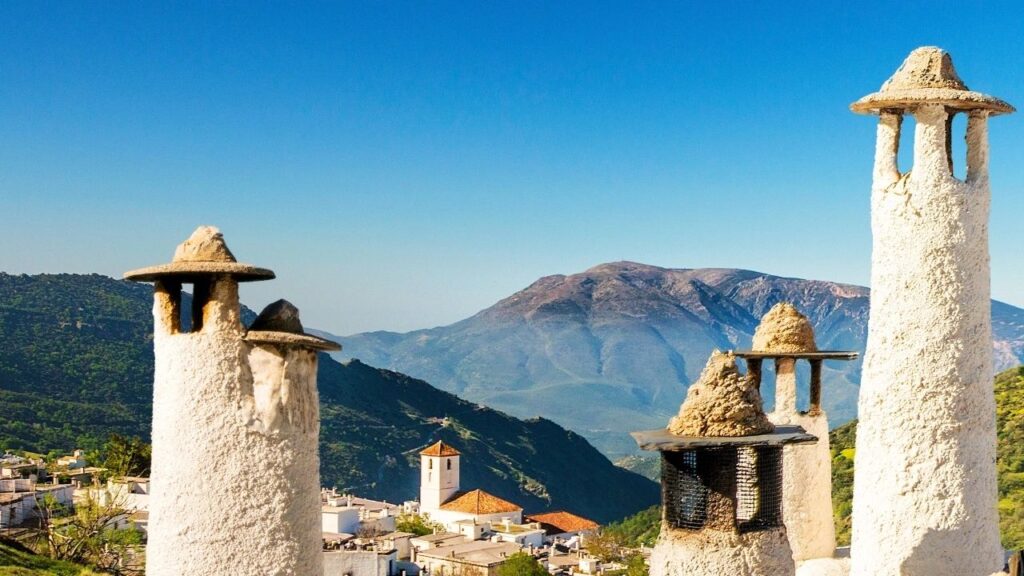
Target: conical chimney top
x: 927, y: 76
x: 722, y: 402
x: 204, y: 253
x: 206, y: 244
x: 784, y: 330
x: 279, y: 324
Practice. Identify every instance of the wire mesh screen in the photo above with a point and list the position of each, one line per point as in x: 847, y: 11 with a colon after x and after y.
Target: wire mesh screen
x: 723, y: 487
x: 759, y: 488
x: 685, y: 495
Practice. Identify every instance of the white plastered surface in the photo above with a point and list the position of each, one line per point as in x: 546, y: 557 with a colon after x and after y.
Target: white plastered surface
x: 925, y: 481
x: 235, y: 473
x: 718, y: 553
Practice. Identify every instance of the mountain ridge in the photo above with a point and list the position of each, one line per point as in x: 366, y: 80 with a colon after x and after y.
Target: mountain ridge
x: 613, y: 348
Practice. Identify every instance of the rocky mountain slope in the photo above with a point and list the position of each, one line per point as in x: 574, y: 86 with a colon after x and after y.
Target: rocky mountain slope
x: 614, y: 348
x: 76, y: 365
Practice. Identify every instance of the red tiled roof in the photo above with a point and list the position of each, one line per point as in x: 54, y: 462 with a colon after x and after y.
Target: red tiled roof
x: 440, y: 449
x: 479, y: 502
x: 559, y: 522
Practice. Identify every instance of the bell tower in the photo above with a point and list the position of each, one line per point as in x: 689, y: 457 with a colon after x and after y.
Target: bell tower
x: 439, y: 475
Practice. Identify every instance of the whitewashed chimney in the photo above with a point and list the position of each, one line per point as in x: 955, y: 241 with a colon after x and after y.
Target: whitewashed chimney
x: 786, y: 336
x: 925, y: 481
x: 722, y: 471
x: 235, y: 481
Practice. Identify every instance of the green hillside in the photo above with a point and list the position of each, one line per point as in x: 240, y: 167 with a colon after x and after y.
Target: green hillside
x: 374, y: 423
x: 76, y: 366
x: 75, y: 360
x: 1009, y: 386
x: 16, y: 560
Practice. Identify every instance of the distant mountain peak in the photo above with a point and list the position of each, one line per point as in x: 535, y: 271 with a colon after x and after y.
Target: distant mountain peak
x: 623, y: 266
x: 614, y: 347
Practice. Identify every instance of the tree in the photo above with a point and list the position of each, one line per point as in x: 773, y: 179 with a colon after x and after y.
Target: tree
x: 605, y: 545
x: 521, y: 564
x: 127, y: 456
x: 636, y: 566
x: 89, y: 533
x: 415, y: 524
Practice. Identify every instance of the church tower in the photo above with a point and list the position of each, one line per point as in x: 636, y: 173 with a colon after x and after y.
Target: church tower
x: 439, y: 476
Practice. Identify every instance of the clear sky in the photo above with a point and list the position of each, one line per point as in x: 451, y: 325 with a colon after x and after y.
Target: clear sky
x: 405, y: 164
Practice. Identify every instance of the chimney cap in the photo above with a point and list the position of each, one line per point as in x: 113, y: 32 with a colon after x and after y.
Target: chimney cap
x: 203, y: 254
x: 279, y: 324
x: 722, y: 402
x: 784, y: 329
x: 927, y: 76
x: 662, y: 440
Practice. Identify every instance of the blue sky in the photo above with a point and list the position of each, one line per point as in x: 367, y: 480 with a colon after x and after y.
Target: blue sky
x: 405, y: 164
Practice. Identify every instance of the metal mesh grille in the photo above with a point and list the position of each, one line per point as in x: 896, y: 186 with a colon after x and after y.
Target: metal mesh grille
x: 752, y: 491
x: 759, y: 488
x: 685, y: 495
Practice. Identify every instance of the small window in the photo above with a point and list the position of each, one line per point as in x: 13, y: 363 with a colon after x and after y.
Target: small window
x: 430, y: 464
x: 449, y: 463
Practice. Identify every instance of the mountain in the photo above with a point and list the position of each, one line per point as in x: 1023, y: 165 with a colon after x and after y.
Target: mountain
x: 613, y: 349
x: 76, y: 365
x: 1009, y: 389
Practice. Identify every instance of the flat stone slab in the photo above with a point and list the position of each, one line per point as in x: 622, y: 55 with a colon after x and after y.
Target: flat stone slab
x: 290, y: 339
x: 819, y: 355
x: 662, y: 440
x: 190, y: 271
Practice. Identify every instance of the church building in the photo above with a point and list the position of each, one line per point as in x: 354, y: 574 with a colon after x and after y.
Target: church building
x: 442, y: 500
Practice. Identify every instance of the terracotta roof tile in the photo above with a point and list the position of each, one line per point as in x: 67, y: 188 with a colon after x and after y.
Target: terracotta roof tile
x: 478, y: 502
x: 559, y: 522
x: 440, y: 449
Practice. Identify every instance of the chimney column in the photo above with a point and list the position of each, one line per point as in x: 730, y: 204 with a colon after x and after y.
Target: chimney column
x: 925, y: 481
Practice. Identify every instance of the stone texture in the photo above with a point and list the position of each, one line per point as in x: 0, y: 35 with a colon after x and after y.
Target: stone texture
x: 235, y: 482
x: 280, y: 316
x: 722, y: 402
x: 289, y: 339
x: 784, y: 329
x: 824, y: 567
x: 807, y: 489
x: 925, y: 484
x: 714, y: 553
x: 206, y: 244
